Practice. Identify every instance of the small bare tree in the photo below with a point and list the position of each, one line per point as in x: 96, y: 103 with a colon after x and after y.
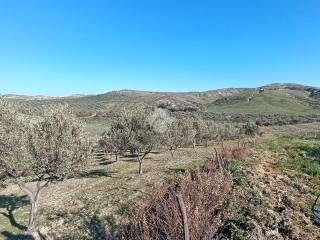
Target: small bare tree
x: 208, y: 132
x: 41, y: 151
x: 200, y: 131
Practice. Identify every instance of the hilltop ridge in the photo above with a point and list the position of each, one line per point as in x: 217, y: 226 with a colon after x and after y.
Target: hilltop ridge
x: 276, y: 98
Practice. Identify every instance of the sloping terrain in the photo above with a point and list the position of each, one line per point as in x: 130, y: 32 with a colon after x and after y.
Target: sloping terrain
x: 283, y: 99
x: 282, y: 192
x: 289, y: 99
x: 66, y: 207
x: 285, y: 180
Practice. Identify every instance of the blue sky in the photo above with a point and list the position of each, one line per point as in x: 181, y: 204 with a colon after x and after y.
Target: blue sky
x: 55, y: 47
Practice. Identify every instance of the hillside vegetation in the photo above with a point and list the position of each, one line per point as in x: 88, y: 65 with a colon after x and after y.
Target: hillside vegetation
x: 274, y: 99
x: 278, y: 192
x: 231, y: 164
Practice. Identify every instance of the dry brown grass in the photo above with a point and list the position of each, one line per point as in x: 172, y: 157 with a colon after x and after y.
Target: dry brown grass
x: 209, y: 196
x: 110, y: 186
x: 232, y: 152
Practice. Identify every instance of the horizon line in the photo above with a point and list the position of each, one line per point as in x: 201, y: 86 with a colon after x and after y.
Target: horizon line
x: 144, y: 90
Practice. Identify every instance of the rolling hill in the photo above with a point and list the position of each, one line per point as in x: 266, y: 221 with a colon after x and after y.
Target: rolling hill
x: 289, y: 99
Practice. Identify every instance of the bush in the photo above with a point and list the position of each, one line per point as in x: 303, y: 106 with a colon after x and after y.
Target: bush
x: 209, y: 196
x: 233, y: 152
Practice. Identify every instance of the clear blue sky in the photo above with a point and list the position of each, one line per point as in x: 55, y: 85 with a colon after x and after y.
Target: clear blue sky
x: 60, y: 47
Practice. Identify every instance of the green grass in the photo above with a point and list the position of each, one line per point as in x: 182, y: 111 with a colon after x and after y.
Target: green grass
x: 184, y: 167
x: 303, y: 154
x: 236, y: 227
x: 12, y: 213
x: 301, y: 165
x: 271, y: 101
x: 236, y: 169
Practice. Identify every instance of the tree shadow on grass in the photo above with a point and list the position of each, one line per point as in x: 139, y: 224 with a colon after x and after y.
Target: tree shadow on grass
x: 11, y: 236
x: 129, y: 155
x: 129, y: 160
x: 97, y: 173
x: 106, y: 162
x: 11, y: 203
x: 311, y: 151
x: 98, y: 228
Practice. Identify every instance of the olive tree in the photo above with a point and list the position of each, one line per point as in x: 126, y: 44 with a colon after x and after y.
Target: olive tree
x: 160, y: 119
x: 139, y: 131
x: 115, y: 140
x: 200, y: 131
x: 13, y: 143
x: 40, y: 151
x: 179, y: 133
x: 208, y: 131
x: 142, y: 137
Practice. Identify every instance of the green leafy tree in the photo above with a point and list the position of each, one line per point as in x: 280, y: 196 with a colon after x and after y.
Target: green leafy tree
x: 142, y: 137
x: 179, y: 133
x: 40, y: 151
x: 116, y: 139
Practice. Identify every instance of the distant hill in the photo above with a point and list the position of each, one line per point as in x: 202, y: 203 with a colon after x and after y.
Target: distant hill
x: 291, y: 99
x: 273, y: 98
x: 39, y: 97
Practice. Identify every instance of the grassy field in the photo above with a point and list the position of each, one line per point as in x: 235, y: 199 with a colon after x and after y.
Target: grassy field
x: 303, y: 152
x: 102, y: 193
x: 285, y: 166
x: 270, y: 101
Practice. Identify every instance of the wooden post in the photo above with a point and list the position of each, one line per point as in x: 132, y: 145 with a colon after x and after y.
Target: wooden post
x: 183, y: 211
x: 316, y: 212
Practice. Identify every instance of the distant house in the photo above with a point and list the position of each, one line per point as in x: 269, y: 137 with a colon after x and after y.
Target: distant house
x: 261, y: 90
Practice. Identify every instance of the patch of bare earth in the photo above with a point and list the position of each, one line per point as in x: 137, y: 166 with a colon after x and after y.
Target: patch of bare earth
x: 281, y: 202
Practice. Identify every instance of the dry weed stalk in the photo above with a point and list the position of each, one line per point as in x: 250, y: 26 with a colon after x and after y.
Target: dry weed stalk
x: 209, y: 198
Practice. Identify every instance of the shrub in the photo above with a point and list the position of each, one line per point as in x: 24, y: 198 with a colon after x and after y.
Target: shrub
x: 210, y: 199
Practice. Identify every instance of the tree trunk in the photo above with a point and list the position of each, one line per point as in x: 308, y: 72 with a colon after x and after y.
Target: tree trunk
x: 221, y: 142
x: 33, y: 214
x: 184, y: 215
x: 316, y: 212
x: 194, y: 144
x: 171, y: 153
x: 116, y: 157
x: 34, y: 201
x: 140, y: 163
x: 140, y: 167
